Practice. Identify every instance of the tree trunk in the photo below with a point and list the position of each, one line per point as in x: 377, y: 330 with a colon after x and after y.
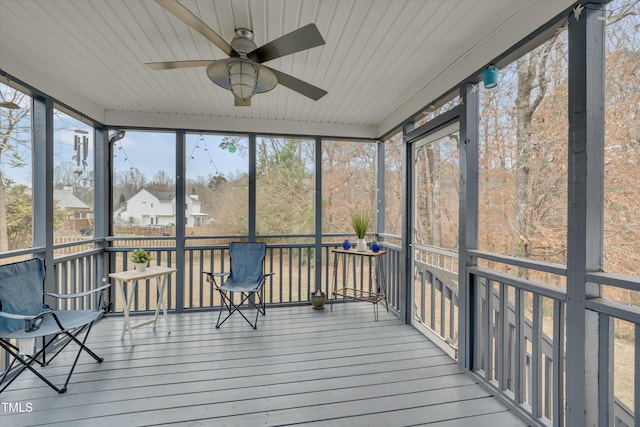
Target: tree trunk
x: 532, y: 80
x: 523, y: 156
x: 433, y: 156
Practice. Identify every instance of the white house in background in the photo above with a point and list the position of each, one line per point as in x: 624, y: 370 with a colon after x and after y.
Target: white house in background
x: 158, y: 207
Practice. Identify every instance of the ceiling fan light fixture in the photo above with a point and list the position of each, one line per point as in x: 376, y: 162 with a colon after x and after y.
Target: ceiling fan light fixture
x: 243, y: 78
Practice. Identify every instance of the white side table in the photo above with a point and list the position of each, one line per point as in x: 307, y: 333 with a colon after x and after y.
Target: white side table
x: 160, y: 273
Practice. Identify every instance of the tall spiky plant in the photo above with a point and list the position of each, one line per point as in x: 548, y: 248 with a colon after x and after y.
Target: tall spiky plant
x: 360, y: 222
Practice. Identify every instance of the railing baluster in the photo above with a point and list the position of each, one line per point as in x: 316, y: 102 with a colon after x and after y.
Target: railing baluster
x: 290, y: 264
x: 69, y: 283
x: 520, y: 347
x: 201, y: 282
x: 636, y: 376
x: 452, y: 314
x: 270, y: 250
x: 309, y: 258
x: 77, y: 303
x: 536, y: 360
x: 170, y: 284
x: 488, y: 353
x: 299, y: 275
x: 443, y: 310
x: 477, y: 349
x: 511, y: 355
x: 547, y: 409
x: 558, y: 363
x: 500, y: 342
x: 84, y: 264
x: 423, y: 295
x: 432, y: 299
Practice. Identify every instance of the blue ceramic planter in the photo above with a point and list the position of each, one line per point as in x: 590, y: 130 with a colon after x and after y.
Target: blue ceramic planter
x: 490, y: 77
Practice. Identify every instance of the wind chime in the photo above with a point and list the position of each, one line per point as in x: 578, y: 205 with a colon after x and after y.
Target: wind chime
x: 81, y: 148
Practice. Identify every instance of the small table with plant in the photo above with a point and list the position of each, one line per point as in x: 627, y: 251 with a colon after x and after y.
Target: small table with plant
x: 377, y: 291
x: 131, y: 277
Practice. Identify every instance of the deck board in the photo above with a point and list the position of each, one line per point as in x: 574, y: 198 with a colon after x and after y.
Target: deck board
x: 301, y: 366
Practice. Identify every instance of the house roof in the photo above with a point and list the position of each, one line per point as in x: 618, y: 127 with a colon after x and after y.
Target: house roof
x: 68, y: 200
x: 163, y: 195
x: 383, y: 60
x: 167, y: 195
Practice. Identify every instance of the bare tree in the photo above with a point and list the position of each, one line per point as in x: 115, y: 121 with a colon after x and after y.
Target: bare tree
x: 15, y: 133
x: 162, y: 180
x: 532, y: 87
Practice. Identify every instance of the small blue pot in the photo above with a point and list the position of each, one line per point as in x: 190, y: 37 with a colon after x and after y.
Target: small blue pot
x: 375, y: 247
x: 346, y: 244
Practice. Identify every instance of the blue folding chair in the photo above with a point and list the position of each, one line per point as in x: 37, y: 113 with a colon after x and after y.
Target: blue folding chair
x: 247, y: 277
x: 24, y: 316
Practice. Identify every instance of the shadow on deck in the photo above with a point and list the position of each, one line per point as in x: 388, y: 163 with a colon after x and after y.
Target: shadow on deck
x: 300, y: 366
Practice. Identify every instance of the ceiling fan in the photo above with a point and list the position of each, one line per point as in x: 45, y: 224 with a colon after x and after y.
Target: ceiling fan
x: 243, y: 73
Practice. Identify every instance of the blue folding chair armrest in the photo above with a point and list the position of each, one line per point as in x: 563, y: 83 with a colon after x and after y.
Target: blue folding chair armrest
x: 221, y: 274
x: 22, y: 316
x: 79, y: 294
x: 212, y: 277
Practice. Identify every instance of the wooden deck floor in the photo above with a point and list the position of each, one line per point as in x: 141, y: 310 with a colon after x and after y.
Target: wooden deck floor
x: 300, y: 366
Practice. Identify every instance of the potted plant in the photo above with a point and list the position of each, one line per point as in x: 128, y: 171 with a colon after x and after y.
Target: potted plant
x: 140, y: 258
x: 318, y: 299
x: 360, y: 222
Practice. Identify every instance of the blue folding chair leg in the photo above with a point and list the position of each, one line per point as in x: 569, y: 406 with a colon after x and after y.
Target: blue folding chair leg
x: 227, y: 301
x: 28, y: 361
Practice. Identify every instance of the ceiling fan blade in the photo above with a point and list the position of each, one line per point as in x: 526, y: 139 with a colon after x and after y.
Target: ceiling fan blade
x: 182, y: 13
x: 172, y: 65
x: 301, y: 39
x: 10, y: 105
x: 239, y: 102
x: 302, y: 87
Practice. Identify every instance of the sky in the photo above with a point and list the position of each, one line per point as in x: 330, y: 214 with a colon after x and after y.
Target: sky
x: 150, y: 152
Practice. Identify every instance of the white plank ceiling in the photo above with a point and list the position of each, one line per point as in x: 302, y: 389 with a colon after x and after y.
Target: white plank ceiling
x: 383, y: 59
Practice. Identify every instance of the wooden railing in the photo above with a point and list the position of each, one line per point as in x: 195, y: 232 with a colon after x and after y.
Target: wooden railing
x: 608, y: 312
x: 436, y: 294
x: 518, y: 351
x: 519, y: 327
x: 294, y: 265
x: 519, y: 323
